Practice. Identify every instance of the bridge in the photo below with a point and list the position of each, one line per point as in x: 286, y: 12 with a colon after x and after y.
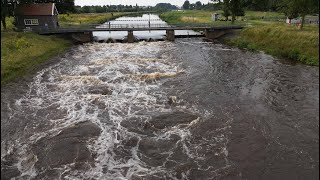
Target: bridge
x: 84, y: 33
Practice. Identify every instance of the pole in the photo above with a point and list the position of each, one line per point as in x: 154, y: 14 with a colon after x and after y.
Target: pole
x: 149, y: 23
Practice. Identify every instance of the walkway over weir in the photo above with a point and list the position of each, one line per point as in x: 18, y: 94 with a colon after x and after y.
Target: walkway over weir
x: 211, y: 31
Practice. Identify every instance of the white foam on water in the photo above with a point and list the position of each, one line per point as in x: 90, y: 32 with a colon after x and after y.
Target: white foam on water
x: 125, y: 69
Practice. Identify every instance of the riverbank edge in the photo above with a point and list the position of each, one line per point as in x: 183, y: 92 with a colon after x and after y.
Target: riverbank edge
x: 18, y: 68
x: 237, y: 39
x: 17, y: 72
x: 244, y: 40
x: 99, y: 18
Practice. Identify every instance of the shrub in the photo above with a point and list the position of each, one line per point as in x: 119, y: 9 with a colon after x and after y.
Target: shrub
x: 22, y: 43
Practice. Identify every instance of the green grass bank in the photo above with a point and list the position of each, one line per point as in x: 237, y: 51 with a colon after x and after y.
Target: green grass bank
x: 22, y: 53
x: 275, y: 38
x: 92, y: 18
x: 281, y: 40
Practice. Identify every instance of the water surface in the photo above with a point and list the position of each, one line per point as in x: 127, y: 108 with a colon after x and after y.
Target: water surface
x: 135, y: 22
x: 106, y: 111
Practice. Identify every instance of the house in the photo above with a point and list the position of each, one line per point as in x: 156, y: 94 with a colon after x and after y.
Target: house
x: 36, y: 17
x: 216, y: 16
x: 293, y: 20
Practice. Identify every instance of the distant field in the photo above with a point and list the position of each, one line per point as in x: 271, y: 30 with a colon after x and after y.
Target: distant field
x: 198, y: 16
x: 91, y: 18
x: 194, y: 16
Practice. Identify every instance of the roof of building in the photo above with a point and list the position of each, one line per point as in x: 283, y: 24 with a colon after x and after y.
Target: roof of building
x: 37, y: 9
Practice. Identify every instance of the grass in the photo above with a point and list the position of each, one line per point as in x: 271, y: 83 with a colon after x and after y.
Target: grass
x: 282, y: 40
x: 267, y: 34
x: 258, y: 15
x: 21, y: 53
x: 199, y: 16
x: 90, y: 18
x: 190, y: 16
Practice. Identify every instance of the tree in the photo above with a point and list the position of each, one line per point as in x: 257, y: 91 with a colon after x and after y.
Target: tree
x: 232, y: 7
x: 300, y: 8
x: 63, y: 6
x: 198, y: 5
x: 226, y: 9
x: 165, y: 7
x: 66, y: 6
x: 236, y: 9
x: 186, y: 5
x: 7, y: 10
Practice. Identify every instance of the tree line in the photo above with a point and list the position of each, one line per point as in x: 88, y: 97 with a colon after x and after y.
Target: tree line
x: 124, y: 8
x: 109, y: 8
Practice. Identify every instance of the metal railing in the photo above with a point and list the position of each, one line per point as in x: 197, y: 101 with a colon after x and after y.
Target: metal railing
x: 120, y: 26
x: 91, y: 27
x: 137, y: 20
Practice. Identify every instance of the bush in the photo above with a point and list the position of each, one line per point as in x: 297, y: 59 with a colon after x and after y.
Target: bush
x: 294, y: 54
x: 22, y: 43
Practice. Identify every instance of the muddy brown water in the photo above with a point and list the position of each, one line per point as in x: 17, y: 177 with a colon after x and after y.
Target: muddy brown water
x: 102, y: 112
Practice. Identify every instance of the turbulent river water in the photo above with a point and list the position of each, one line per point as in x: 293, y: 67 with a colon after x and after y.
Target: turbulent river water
x: 188, y: 109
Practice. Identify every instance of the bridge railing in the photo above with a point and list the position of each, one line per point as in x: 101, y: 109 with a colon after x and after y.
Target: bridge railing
x: 145, y: 25
x: 110, y: 26
x: 120, y: 26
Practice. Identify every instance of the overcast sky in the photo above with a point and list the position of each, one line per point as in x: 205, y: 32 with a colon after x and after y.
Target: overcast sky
x: 132, y: 2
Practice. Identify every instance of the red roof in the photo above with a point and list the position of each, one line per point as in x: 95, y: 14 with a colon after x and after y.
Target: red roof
x: 36, y: 9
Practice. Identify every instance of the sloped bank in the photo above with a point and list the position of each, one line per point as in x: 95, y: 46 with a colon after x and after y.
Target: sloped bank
x: 279, y: 40
x: 23, y: 53
x: 275, y: 38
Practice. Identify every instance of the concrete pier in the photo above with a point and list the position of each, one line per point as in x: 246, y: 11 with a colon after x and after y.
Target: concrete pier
x: 130, y: 37
x: 170, y: 35
x: 83, y: 37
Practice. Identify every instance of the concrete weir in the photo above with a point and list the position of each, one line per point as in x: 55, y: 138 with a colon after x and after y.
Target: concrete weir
x: 84, y: 36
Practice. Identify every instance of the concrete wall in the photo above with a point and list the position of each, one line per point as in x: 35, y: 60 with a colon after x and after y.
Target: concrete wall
x: 216, y: 33
x: 82, y: 37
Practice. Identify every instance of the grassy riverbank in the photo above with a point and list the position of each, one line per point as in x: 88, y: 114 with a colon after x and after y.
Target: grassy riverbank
x: 91, y: 18
x: 200, y: 16
x: 282, y: 40
x: 21, y: 52
x: 275, y: 38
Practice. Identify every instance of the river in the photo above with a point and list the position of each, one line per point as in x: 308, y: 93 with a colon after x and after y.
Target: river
x: 135, y: 22
x: 188, y: 109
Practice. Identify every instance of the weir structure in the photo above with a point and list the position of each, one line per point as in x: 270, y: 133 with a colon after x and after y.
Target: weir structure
x: 85, y: 33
